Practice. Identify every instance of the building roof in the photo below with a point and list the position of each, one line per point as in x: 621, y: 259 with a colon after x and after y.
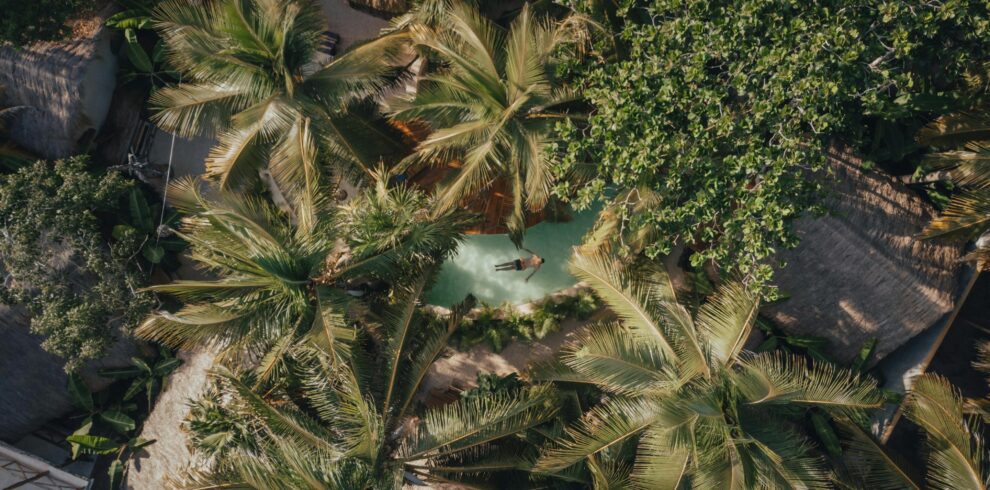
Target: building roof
x: 859, y: 272
x: 66, y: 86
x: 24, y: 471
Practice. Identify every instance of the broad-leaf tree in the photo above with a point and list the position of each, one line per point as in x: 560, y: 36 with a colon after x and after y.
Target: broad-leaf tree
x: 491, y: 104
x: 355, y: 425
x: 253, y: 77
x: 80, y: 288
x: 281, y: 278
x: 724, y: 107
x: 700, y: 410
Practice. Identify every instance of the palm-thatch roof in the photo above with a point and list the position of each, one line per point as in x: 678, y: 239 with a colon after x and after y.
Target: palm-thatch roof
x: 859, y: 272
x: 33, y: 384
x: 66, y: 86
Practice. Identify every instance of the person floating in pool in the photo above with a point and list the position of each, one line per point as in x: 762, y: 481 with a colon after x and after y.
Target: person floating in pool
x: 521, y: 264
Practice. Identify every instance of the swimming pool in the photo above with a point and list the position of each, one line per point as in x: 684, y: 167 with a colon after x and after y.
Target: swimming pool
x: 472, y: 270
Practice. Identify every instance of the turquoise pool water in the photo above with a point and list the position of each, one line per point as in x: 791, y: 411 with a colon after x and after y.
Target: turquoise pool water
x: 472, y: 270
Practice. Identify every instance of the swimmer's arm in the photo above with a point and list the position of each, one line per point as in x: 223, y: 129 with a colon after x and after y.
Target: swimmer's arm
x: 531, y: 273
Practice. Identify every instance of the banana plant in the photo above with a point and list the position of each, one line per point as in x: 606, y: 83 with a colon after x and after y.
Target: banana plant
x: 98, y: 412
x: 144, y: 376
x: 136, y: 18
x: 108, y: 417
x: 140, y: 231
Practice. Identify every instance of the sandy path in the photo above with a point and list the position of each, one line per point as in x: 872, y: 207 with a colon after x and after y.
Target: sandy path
x: 460, y: 370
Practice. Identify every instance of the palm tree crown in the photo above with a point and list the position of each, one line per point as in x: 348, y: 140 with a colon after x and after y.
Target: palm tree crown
x: 705, y: 412
x: 353, y: 425
x: 280, y: 277
x: 968, y: 213
x: 253, y: 77
x: 492, y: 104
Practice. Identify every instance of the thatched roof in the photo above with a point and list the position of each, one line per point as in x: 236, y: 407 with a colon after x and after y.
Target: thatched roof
x: 33, y: 384
x: 859, y: 272
x: 67, y: 87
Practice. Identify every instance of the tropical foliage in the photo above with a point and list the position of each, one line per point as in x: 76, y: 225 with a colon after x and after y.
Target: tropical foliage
x: 111, y: 418
x: 496, y: 327
x: 135, y: 21
x: 956, y: 456
x: 42, y: 20
x: 281, y: 278
x: 968, y: 212
x: 81, y: 293
x: 252, y: 76
x: 722, y: 108
x: 681, y: 389
x: 352, y: 426
x: 491, y: 104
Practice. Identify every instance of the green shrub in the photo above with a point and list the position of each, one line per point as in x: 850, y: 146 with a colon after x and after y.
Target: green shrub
x: 55, y: 221
x: 499, y: 326
x: 722, y: 107
x: 25, y: 21
x: 492, y: 384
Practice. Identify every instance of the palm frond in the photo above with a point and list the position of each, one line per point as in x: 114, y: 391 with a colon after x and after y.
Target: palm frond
x: 726, y: 321
x: 956, y: 456
x: 968, y: 215
x: 969, y: 167
x: 473, y: 422
x: 631, y: 298
x: 606, y: 425
x: 782, y: 378
x: 661, y: 461
x: 429, y: 348
x: 869, y: 463
x: 400, y: 324
x: 955, y: 130
x: 617, y: 360
x: 279, y: 420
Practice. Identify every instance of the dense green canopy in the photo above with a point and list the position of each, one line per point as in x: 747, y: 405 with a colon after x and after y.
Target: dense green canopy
x: 722, y: 107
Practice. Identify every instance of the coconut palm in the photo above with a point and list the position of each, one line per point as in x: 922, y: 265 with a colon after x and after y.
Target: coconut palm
x: 699, y: 409
x: 281, y: 279
x: 956, y: 457
x: 491, y: 105
x: 968, y: 213
x: 252, y: 76
x: 354, y: 425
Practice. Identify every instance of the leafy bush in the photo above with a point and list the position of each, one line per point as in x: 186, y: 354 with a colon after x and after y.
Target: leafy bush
x: 213, y: 428
x: 501, y: 325
x: 23, y: 21
x: 722, y: 108
x: 57, y: 260
x: 112, y: 418
x: 493, y: 384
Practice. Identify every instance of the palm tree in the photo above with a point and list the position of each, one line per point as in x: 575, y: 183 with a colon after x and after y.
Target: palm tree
x: 956, y: 457
x: 353, y: 425
x: 968, y: 213
x: 681, y: 389
x: 492, y: 104
x: 253, y: 77
x: 280, y: 278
